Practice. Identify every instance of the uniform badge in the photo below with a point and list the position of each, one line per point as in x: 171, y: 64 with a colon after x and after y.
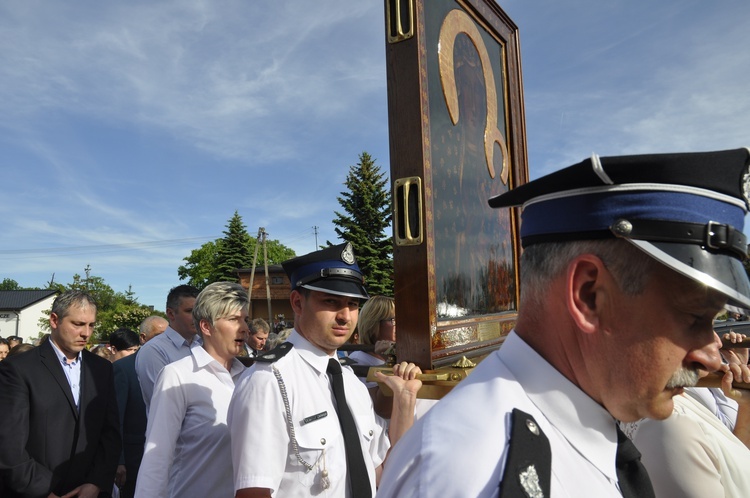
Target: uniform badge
x: 529, y: 481
x: 276, y: 353
x: 528, y: 466
x: 347, y: 255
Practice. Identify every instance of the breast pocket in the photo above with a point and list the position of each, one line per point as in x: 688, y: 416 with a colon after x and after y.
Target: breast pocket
x: 320, y: 445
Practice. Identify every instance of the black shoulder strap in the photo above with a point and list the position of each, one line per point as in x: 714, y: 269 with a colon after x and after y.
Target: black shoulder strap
x: 346, y: 361
x: 528, y: 468
x: 278, y: 352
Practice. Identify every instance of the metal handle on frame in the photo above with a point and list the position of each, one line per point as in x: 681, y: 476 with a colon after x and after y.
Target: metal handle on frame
x: 399, y: 20
x: 409, y: 223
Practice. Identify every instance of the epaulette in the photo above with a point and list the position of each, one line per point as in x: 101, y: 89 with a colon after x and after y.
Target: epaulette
x: 346, y: 361
x: 528, y: 468
x: 278, y: 352
x: 358, y: 369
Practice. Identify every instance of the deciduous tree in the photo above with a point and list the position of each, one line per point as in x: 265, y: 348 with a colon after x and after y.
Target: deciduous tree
x: 114, y: 309
x: 220, y: 259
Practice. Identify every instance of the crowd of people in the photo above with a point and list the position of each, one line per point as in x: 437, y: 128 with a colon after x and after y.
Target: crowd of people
x: 626, y: 263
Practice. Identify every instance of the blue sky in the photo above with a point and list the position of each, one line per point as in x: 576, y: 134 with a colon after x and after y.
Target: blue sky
x: 130, y: 132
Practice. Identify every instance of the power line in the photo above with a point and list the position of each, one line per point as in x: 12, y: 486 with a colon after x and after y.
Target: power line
x: 101, y: 248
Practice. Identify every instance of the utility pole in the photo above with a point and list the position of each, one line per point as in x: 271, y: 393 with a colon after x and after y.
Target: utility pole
x: 87, y: 270
x: 252, y: 274
x: 315, y: 230
x: 268, y: 284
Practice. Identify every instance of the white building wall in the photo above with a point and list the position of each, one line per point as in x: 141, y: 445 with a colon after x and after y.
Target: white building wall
x: 8, y: 322
x: 27, y: 324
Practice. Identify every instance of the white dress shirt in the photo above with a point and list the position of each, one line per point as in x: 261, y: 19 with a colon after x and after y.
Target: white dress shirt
x: 693, y: 454
x: 187, y: 439
x: 459, y: 448
x: 162, y: 350
x: 262, y: 451
x: 72, y: 370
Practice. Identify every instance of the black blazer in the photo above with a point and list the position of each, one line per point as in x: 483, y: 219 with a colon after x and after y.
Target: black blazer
x: 132, y: 414
x: 46, y: 444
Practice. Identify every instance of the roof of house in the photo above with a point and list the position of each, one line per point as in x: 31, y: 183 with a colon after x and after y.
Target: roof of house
x: 20, y: 299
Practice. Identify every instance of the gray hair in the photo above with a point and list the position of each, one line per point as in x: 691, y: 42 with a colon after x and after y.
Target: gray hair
x: 80, y: 299
x: 148, y: 324
x: 257, y: 325
x: 218, y: 300
x: 541, y: 263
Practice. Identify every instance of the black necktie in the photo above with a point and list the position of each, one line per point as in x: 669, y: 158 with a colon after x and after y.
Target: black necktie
x: 355, y: 463
x: 632, y: 475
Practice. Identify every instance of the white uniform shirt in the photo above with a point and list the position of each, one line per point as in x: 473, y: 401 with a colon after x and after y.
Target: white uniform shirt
x: 460, y: 447
x: 369, y: 360
x: 693, y: 454
x: 187, y: 439
x: 717, y: 402
x: 162, y: 350
x: 262, y: 451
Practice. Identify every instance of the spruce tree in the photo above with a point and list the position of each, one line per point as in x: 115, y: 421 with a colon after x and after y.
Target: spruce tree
x: 219, y: 260
x: 367, y: 207
x: 233, y: 251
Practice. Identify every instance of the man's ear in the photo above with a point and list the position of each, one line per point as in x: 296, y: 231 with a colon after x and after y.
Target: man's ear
x: 54, y: 321
x: 295, y: 298
x: 586, y: 277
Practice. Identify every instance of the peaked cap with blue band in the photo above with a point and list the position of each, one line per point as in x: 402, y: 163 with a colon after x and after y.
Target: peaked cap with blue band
x: 333, y: 270
x: 685, y: 210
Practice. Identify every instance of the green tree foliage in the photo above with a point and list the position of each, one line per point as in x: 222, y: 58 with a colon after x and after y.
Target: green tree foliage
x: 122, y: 315
x: 199, y: 266
x: 233, y: 252
x: 367, y: 215
x: 9, y: 284
x: 114, y: 309
x: 218, y: 260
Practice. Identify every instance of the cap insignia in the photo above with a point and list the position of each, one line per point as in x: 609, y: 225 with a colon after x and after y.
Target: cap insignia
x: 745, y: 186
x: 347, y: 255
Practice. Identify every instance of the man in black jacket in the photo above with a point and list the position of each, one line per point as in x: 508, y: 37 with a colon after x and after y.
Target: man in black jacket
x: 59, y: 410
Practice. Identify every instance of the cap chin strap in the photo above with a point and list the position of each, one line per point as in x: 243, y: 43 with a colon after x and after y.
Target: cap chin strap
x: 332, y: 272
x: 711, y: 235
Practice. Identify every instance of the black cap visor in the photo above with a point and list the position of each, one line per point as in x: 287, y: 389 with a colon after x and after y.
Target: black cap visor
x: 717, y: 270
x: 339, y: 287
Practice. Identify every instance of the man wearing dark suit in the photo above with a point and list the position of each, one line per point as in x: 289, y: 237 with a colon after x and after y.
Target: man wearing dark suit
x: 61, y: 432
x: 132, y: 410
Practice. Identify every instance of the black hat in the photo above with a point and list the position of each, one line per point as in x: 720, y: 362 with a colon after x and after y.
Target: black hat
x: 685, y: 210
x: 333, y: 270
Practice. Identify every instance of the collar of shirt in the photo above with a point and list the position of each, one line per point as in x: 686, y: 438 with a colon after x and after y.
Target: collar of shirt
x: 250, y: 351
x: 180, y: 341
x: 586, y: 425
x: 61, y: 356
x: 313, y: 355
x: 204, y: 360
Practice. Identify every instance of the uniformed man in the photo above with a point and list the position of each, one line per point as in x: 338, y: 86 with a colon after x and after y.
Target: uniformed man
x: 627, y: 261
x: 300, y: 424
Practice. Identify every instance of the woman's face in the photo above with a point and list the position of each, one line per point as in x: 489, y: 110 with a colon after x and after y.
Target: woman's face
x: 387, y: 330
x: 4, y: 350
